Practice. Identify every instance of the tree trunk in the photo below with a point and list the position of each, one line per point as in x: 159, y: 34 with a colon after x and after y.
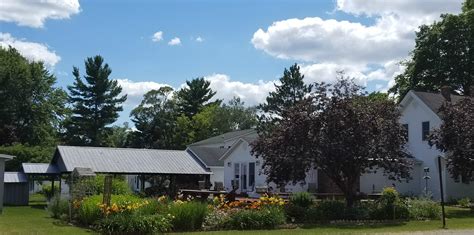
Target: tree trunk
x: 350, y: 198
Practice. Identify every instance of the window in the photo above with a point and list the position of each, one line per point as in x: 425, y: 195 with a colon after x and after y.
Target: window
x: 237, y: 170
x: 425, y: 130
x: 252, y: 175
x: 244, y: 176
x: 405, y: 128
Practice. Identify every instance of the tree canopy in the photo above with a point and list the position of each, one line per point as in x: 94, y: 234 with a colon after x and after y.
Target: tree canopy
x: 455, y: 137
x: 195, y: 96
x: 339, y: 130
x: 31, y: 107
x: 95, y: 104
x: 443, y: 56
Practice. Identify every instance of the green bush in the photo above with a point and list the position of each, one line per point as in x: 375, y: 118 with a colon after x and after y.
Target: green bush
x: 119, y: 185
x: 302, y: 199
x: 89, y: 212
x: 47, y: 191
x: 265, y: 218
x: 134, y: 224
x: 422, y: 209
x: 464, y: 202
x: 58, y: 207
x: 389, y: 206
x: 188, y: 216
x: 330, y: 210
x: 296, y: 214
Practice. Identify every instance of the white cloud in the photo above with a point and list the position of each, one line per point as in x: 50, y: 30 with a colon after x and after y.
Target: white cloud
x: 158, y: 36
x: 365, y: 51
x: 174, y: 42
x: 136, y: 90
x: 199, y: 39
x: 33, y: 51
x: 35, y: 13
x: 250, y: 93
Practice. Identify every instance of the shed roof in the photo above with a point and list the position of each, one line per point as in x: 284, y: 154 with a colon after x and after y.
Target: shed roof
x: 15, y: 177
x: 127, y: 160
x: 210, y: 156
x: 5, y: 156
x: 40, y: 168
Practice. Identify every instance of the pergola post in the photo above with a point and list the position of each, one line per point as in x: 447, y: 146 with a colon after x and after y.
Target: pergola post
x: 52, y: 185
x: 142, y: 183
x: 60, y: 183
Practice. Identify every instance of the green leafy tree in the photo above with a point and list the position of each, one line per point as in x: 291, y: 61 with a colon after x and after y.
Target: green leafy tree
x: 455, y: 137
x: 31, y: 108
x: 344, y: 134
x: 443, y: 56
x: 25, y: 153
x: 118, y: 136
x: 195, y: 96
x: 155, y: 120
x: 96, y: 103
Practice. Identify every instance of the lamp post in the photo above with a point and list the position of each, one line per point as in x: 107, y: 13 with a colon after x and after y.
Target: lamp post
x: 426, y: 178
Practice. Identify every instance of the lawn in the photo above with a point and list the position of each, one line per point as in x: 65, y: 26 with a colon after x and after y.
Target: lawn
x: 35, y: 219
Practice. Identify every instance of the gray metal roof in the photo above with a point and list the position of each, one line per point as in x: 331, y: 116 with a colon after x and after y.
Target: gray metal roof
x: 40, y: 168
x: 127, y: 160
x: 209, y: 155
x: 435, y: 100
x: 5, y: 156
x: 15, y: 177
x: 224, y: 137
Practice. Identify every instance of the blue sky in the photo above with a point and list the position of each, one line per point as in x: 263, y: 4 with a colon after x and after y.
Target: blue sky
x: 243, y: 48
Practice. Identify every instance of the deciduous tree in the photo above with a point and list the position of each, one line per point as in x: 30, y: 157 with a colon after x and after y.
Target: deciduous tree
x: 455, y: 137
x: 443, y: 56
x: 342, y: 133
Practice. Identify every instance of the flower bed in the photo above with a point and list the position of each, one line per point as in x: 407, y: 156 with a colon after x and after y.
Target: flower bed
x: 132, y: 214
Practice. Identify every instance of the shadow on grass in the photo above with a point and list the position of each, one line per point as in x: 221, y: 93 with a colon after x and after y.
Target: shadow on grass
x: 355, y: 226
x: 459, y: 213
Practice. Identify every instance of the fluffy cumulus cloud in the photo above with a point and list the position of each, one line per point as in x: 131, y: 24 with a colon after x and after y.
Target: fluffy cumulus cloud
x: 31, y: 50
x: 174, y: 42
x: 35, y: 13
x: 250, y: 93
x: 158, y: 36
x: 199, y: 39
x: 136, y: 90
x: 369, y: 52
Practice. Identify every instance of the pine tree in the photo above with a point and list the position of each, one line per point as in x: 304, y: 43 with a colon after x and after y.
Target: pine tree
x: 96, y: 103
x: 291, y: 91
x: 193, y: 98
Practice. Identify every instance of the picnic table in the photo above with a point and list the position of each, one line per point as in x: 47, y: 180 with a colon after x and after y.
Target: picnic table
x: 203, y: 194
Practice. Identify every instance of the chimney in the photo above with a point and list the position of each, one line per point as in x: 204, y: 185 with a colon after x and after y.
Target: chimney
x: 446, y: 92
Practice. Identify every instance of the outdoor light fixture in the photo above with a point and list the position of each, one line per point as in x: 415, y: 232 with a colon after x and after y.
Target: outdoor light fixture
x: 229, y: 164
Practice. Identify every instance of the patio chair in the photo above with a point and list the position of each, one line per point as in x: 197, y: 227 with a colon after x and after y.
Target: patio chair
x: 218, y: 186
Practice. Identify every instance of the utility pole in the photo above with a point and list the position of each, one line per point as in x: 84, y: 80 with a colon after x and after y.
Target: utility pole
x: 442, y: 192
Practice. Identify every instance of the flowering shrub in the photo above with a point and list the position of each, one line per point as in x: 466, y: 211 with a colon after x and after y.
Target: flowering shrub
x: 421, y: 209
x: 263, y: 201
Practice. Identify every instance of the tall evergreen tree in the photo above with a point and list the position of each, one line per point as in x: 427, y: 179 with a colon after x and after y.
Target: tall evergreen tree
x: 443, y: 56
x: 291, y: 91
x: 195, y: 96
x: 31, y: 108
x: 96, y: 103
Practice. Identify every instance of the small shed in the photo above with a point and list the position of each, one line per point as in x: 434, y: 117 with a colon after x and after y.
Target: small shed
x: 3, y: 158
x: 16, y: 189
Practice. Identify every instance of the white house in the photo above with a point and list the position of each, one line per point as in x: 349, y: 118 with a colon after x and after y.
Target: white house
x: 420, y: 116
x: 228, y: 157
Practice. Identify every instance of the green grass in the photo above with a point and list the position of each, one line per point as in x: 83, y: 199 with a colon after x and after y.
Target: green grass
x: 34, y: 219
x: 458, y: 218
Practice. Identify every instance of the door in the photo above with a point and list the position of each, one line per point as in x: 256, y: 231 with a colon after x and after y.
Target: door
x: 244, y: 176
